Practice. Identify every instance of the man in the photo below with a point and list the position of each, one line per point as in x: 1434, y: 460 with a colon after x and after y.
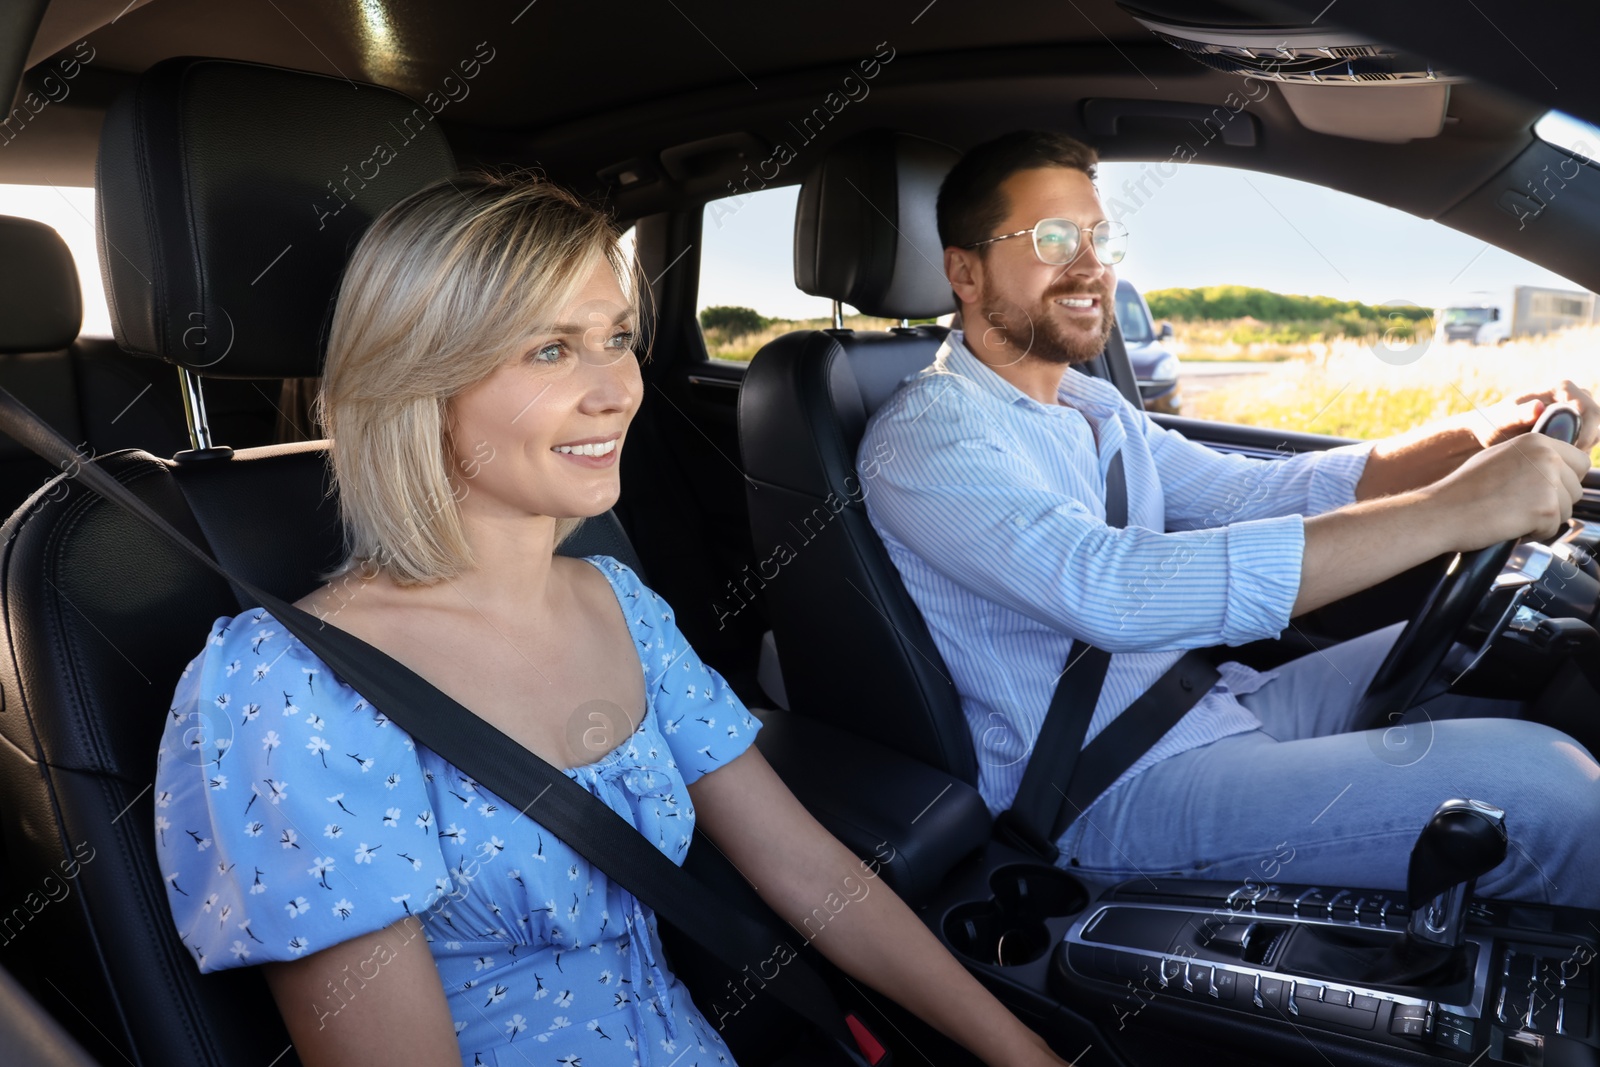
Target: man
x: 994, y: 513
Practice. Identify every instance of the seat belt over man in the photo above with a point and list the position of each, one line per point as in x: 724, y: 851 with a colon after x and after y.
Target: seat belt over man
x: 1063, y: 776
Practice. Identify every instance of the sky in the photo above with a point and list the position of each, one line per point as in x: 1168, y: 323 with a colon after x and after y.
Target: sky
x: 1203, y: 226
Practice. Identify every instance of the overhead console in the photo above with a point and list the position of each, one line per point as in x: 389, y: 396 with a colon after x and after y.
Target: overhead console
x: 1336, y: 82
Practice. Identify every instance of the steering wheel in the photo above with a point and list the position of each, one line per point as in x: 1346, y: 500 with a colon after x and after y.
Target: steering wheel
x: 1427, y: 638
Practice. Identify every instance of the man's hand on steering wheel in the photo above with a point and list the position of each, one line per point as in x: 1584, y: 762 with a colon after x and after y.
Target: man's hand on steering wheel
x: 1521, y: 486
x: 1525, y: 485
x: 1513, y: 417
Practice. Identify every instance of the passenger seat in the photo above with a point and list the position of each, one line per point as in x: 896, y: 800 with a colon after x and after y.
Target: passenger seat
x: 97, y: 396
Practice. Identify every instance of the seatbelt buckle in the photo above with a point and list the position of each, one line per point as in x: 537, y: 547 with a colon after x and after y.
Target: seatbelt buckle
x: 872, y: 1050
x: 1011, y: 829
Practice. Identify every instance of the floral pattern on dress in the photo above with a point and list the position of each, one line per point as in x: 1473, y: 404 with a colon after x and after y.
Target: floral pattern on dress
x: 292, y: 815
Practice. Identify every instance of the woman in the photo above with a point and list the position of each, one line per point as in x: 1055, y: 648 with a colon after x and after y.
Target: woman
x: 479, y: 385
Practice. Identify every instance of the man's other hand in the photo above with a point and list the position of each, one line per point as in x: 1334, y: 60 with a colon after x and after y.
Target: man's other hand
x: 1509, y: 418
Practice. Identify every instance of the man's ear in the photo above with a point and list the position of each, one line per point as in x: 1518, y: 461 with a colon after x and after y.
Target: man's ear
x: 964, y: 268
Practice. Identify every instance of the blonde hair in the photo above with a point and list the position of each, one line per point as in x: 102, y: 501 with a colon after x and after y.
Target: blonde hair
x: 437, y: 293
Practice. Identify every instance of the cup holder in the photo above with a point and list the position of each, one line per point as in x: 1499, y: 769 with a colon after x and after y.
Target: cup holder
x: 1036, y: 891
x: 1010, y: 929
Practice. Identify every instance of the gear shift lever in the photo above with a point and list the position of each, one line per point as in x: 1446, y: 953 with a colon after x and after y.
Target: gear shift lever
x: 1463, y: 840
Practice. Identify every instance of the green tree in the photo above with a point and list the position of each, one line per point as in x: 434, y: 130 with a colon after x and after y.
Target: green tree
x: 733, y: 321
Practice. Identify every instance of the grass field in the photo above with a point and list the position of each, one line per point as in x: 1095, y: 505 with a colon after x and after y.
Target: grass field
x: 1329, y: 384
x: 1342, y: 387
x: 744, y: 347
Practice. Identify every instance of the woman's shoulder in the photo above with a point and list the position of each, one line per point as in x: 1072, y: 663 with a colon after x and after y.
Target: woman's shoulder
x: 253, y: 650
x: 254, y: 676
x: 641, y: 605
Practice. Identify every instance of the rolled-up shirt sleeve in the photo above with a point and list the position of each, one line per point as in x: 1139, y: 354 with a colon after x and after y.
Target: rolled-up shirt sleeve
x: 1205, y: 488
x: 953, y: 492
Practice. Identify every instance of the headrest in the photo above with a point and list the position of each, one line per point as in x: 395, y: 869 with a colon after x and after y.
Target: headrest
x: 41, y: 308
x: 228, y: 198
x: 865, y: 230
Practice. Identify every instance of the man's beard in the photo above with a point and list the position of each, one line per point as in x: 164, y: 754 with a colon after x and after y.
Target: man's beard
x: 1043, y: 334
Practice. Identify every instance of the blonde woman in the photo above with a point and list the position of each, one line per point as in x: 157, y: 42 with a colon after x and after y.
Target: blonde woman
x: 480, y: 381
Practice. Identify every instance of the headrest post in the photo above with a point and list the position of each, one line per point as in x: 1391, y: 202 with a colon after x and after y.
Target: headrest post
x: 905, y: 324
x: 194, y: 410
x: 838, y: 315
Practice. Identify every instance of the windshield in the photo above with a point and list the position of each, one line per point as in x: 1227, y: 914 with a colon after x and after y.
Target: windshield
x: 1132, y: 317
x: 1466, y: 316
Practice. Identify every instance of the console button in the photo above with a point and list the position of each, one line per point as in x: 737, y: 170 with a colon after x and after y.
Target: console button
x: 1376, y: 909
x: 1227, y: 985
x: 1408, y: 1020
x: 1518, y: 966
x: 1271, y: 990
x: 1312, y: 903
x: 1453, y: 1038
x: 1365, y: 1003
x: 1198, y: 980
x: 1333, y: 1007
x: 1572, y: 1017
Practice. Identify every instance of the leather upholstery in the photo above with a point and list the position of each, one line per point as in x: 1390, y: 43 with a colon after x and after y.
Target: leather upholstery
x: 229, y: 195
x: 852, y: 644
x: 865, y: 230
x: 854, y: 649
x: 918, y: 821
x: 39, y: 287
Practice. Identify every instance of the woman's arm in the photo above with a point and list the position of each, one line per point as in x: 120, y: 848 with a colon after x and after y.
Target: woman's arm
x: 796, y: 866
x: 373, y: 1000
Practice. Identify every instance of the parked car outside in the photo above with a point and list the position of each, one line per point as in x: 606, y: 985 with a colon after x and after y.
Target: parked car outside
x: 1155, y: 367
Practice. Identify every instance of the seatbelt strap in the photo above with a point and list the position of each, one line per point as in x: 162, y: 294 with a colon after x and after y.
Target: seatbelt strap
x: 533, y: 786
x: 1053, y: 792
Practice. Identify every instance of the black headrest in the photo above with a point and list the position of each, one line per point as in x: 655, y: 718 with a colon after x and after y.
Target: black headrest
x: 41, y: 308
x: 228, y: 198
x: 865, y: 231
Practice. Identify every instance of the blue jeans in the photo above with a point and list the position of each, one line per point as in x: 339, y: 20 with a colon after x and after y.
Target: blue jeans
x: 1304, y: 800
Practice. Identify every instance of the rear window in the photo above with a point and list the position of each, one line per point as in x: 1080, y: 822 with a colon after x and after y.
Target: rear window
x: 69, y: 210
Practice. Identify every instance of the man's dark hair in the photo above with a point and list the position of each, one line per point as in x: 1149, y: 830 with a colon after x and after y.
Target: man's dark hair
x: 971, y: 204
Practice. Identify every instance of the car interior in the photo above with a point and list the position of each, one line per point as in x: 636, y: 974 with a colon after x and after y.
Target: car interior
x: 238, y: 149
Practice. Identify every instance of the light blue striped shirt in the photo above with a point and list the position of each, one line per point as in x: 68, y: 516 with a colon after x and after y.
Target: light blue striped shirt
x: 992, y: 506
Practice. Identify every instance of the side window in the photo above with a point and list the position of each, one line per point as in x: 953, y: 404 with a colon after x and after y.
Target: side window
x: 70, y: 211
x: 747, y: 293
x: 1295, y: 306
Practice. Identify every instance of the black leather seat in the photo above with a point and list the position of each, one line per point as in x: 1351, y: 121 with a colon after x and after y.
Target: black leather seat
x: 852, y: 645
x: 223, y: 262
x: 92, y: 394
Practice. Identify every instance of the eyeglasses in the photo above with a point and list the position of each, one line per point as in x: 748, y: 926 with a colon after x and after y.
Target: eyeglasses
x: 1056, y: 241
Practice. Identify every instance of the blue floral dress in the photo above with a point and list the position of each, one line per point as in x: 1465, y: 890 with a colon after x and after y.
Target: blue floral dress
x: 292, y: 815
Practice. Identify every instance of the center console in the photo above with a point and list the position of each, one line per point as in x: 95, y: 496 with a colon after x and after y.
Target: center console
x: 1276, y: 972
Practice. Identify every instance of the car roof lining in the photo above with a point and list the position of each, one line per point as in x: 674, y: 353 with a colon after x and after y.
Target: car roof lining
x: 991, y: 84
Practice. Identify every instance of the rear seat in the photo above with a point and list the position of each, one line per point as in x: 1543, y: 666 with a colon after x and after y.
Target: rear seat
x: 97, y: 396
